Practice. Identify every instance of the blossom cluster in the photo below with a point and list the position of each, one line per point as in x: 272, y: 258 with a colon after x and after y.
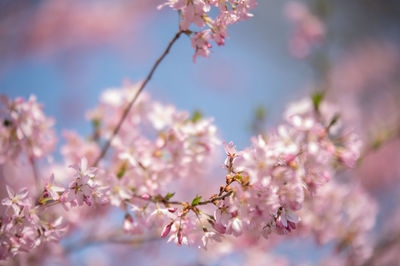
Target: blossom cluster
x: 197, y: 12
x: 24, y: 224
x: 21, y: 228
x: 339, y: 213
x: 266, y: 184
x: 159, y: 151
x: 156, y: 145
x: 24, y: 129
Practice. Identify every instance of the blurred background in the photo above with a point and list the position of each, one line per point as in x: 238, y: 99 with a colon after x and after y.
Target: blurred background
x: 68, y: 52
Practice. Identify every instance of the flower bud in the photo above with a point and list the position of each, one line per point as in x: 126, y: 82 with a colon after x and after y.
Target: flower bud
x: 166, y: 230
x: 145, y: 196
x: 172, y: 210
x: 180, y: 237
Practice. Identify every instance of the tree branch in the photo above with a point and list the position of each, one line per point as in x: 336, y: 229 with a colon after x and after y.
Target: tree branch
x: 222, y: 197
x: 128, y: 108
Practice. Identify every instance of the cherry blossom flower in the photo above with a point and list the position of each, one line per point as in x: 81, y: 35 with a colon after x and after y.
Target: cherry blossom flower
x: 82, y: 189
x: 197, y: 12
x: 50, y: 190
x: 308, y: 32
x: 16, y: 201
x: 201, y: 44
x: 210, y: 236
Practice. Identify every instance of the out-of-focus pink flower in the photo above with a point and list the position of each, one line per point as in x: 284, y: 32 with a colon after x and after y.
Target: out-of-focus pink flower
x: 24, y: 129
x: 76, y: 148
x: 308, y: 31
x: 230, y: 149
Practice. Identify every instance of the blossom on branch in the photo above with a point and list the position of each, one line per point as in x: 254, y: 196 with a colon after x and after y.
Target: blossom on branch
x: 24, y: 129
x: 197, y: 12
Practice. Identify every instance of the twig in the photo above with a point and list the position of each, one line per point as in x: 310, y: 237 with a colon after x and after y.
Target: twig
x: 159, y: 199
x: 215, y: 199
x: 168, y: 202
x: 128, y: 108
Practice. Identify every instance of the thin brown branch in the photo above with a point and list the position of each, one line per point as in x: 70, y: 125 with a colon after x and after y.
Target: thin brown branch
x: 168, y: 202
x: 222, y: 197
x: 129, y: 106
x: 159, y: 199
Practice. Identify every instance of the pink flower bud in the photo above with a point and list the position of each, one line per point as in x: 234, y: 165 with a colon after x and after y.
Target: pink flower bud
x: 172, y: 209
x: 145, y: 196
x: 290, y: 157
x: 166, y: 230
x: 291, y: 225
x: 180, y: 237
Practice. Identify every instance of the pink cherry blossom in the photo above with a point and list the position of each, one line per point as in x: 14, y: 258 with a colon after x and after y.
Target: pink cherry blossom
x: 50, y: 190
x: 16, y: 201
x: 201, y: 44
x: 83, y: 189
x: 198, y: 12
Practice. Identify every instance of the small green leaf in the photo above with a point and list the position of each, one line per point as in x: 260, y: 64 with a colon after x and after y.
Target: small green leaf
x: 317, y: 99
x: 334, y: 120
x: 379, y: 139
x: 196, y: 116
x: 238, y: 177
x: 122, y: 171
x: 261, y: 113
x: 169, y: 196
x: 96, y: 123
x: 376, y: 144
x: 196, y: 200
x: 44, y: 200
